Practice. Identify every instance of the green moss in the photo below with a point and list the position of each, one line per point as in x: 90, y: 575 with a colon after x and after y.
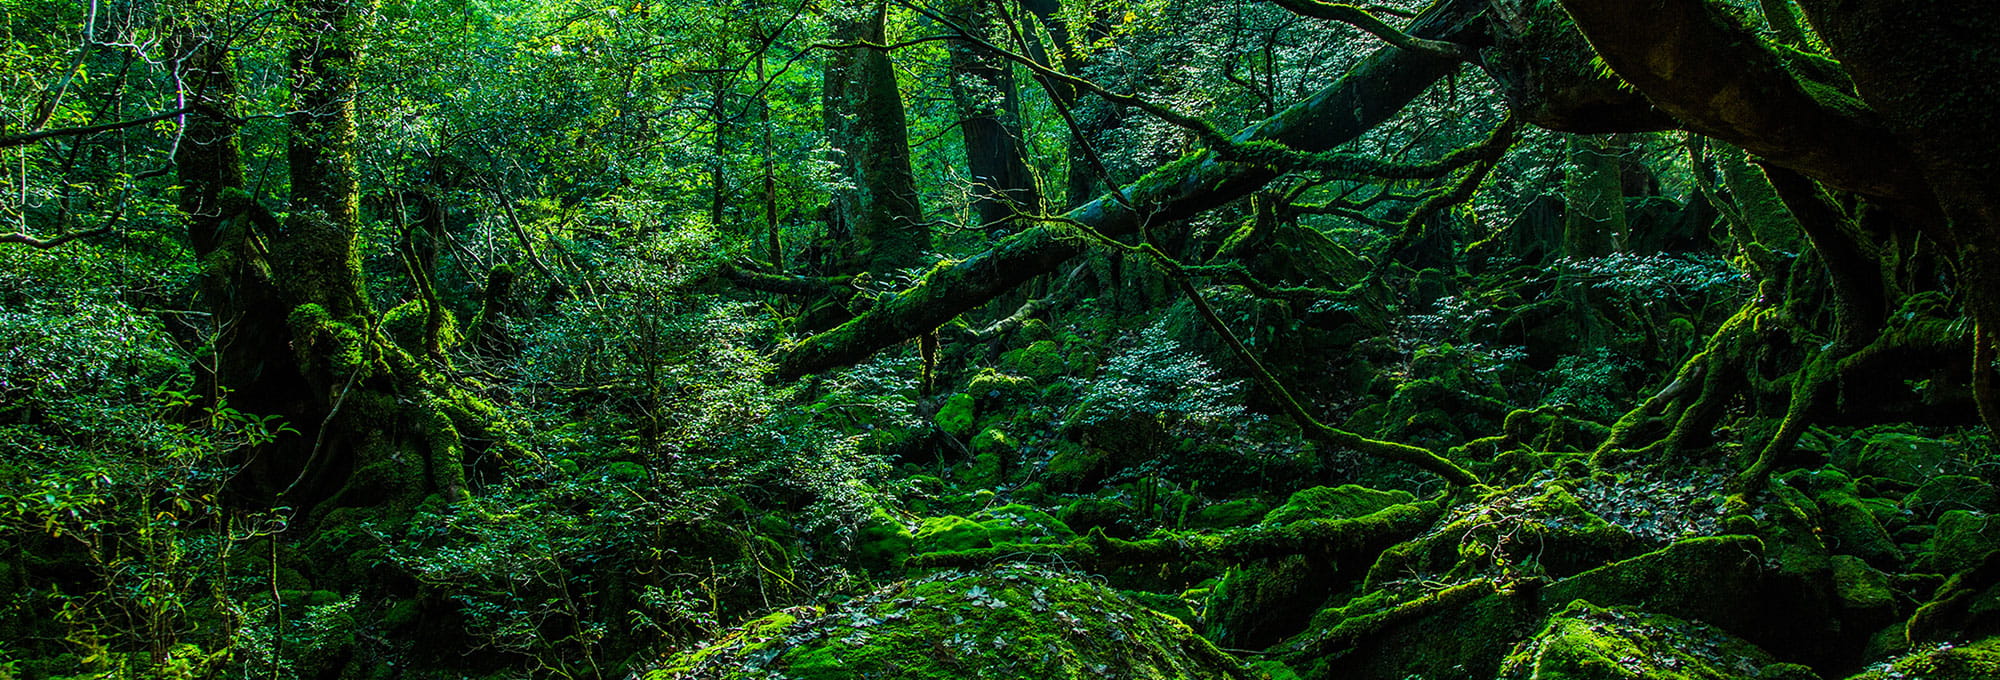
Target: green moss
x: 1007, y: 623
x: 957, y: 413
x: 1978, y: 661
x: 1230, y: 513
x: 883, y: 541
x: 990, y: 527
x: 1257, y: 604
x: 1040, y: 360
x: 1963, y: 538
x: 1849, y: 525
x: 1088, y: 514
x: 1587, y: 642
x: 1904, y: 457
x: 1342, y: 502
x: 1073, y: 466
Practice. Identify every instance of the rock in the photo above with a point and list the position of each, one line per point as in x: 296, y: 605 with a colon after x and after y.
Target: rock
x: 1980, y: 661
x: 1951, y: 492
x: 1587, y: 642
x: 1342, y: 502
x: 1963, y: 537
x: 1001, y: 624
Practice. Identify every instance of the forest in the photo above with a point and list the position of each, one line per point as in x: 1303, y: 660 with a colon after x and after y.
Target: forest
x: 999, y: 339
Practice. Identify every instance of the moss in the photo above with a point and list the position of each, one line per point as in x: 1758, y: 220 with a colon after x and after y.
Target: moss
x: 1848, y: 525
x: 1231, y: 513
x: 1074, y: 466
x: 406, y: 324
x: 1951, y: 492
x: 992, y: 386
x: 1861, y: 587
x: 1258, y: 604
x: 1978, y: 661
x: 1587, y: 642
x: 1040, y: 360
x: 1007, y: 524
x: 957, y: 413
x: 1011, y: 622
x: 1963, y: 538
x: 882, y: 541
x: 1112, y: 516
x: 1901, y: 456
x: 1342, y: 502
x: 1527, y: 530
x: 1451, y: 633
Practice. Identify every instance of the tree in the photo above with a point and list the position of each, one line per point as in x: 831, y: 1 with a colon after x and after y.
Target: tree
x: 878, y: 222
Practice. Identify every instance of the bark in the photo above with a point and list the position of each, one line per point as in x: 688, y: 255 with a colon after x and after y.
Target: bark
x: 989, y: 110
x: 1699, y: 64
x: 1369, y: 94
x: 879, y: 217
x: 1926, y: 69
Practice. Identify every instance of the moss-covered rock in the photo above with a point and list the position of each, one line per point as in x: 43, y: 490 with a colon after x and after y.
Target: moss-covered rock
x: 882, y: 541
x: 1901, y: 456
x: 1256, y: 605
x: 1849, y: 525
x: 1951, y: 492
x: 1041, y: 360
x: 1007, y: 623
x: 1115, y: 517
x: 1231, y: 513
x: 1342, y: 502
x: 1528, y: 530
x: 1587, y: 642
x: 1726, y: 581
x: 1980, y: 661
x: 989, y: 527
x: 1963, y: 537
x: 1073, y: 466
x: 957, y: 414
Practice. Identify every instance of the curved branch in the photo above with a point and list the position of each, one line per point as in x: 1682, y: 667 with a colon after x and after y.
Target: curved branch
x: 1368, y: 95
x: 1719, y: 79
x: 1371, y: 24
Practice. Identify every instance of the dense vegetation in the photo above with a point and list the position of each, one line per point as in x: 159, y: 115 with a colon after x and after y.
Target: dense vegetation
x: 1476, y: 339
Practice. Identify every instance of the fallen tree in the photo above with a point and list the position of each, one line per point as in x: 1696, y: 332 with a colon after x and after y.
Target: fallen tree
x: 1368, y: 95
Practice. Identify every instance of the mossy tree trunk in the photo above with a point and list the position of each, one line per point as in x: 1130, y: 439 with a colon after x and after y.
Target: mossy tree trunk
x: 1371, y: 93
x: 877, y: 219
x: 1916, y: 151
x: 376, y: 424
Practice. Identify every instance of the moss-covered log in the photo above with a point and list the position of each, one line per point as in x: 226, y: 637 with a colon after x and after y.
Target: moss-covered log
x: 1368, y: 95
x: 1321, y: 538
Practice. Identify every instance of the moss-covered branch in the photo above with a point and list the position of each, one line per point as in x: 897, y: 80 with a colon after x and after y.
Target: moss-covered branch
x: 1698, y: 63
x: 1364, y: 536
x: 1371, y: 93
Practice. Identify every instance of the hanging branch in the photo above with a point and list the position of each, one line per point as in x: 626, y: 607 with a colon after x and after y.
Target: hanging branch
x: 1371, y: 24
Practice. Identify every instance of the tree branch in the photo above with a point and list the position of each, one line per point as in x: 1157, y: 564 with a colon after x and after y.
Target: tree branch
x: 32, y: 137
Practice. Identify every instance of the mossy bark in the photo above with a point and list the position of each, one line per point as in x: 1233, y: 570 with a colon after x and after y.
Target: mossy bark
x: 879, y: 216
x: 1368, y: 95
x: 296, y: 336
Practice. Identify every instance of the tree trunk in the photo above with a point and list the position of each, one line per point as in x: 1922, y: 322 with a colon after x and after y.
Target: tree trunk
x: 989, y: 110
x: 879, y: 214
x: 1368, y: 95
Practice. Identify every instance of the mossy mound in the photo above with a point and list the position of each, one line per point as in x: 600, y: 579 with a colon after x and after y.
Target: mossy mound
x: 1587, y: 642
x: 1005, y: 623
x: 988, y: 528
x: 1341, y: 502
x: 1979, y: 661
